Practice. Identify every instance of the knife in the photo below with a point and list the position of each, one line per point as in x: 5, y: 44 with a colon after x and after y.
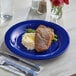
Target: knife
x: 35, y: 67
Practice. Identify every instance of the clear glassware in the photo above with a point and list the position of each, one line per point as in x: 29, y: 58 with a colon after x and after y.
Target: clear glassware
x: 56, y: 11
x: 35, y: 4
x: 6, y: 11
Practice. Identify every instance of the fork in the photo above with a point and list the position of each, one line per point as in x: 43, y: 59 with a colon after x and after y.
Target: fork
x: 25, y: 73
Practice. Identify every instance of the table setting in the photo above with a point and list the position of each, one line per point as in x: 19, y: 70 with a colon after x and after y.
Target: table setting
x: 20, y: 18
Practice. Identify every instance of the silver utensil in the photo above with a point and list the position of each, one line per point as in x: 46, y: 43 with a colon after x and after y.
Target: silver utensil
x: 27, y: 72
x: 12, y: 70
x: 35, y: 67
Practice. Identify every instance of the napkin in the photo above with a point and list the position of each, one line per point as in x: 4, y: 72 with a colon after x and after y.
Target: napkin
x: 5, y: 50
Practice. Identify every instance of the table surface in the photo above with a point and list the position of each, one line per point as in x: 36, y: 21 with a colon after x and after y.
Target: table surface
x: 65, y: 64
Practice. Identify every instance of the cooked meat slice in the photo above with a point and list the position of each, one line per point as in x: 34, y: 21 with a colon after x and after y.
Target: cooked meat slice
x: 43, y: 38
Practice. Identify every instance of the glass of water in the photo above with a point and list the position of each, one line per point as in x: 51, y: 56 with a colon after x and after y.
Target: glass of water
x: 6, y: 11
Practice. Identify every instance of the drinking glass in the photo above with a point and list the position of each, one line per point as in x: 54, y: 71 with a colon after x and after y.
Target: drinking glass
x: 6, y: 11
x: 35, y: 4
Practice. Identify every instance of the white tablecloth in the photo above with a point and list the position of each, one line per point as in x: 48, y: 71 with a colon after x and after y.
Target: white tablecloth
x: 65, y: 64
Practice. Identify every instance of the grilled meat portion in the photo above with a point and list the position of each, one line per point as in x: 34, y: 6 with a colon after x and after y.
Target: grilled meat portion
x: 43, y: 38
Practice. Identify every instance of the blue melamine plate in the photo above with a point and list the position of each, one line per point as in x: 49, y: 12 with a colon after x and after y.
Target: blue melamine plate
x: 14, y: 35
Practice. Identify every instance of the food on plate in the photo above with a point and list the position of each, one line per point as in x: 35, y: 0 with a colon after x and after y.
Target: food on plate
x: 43, y: 38
x: 55, y: 37
x: 39, y: 39
x: 28, y: 40
x: 30, y: 30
